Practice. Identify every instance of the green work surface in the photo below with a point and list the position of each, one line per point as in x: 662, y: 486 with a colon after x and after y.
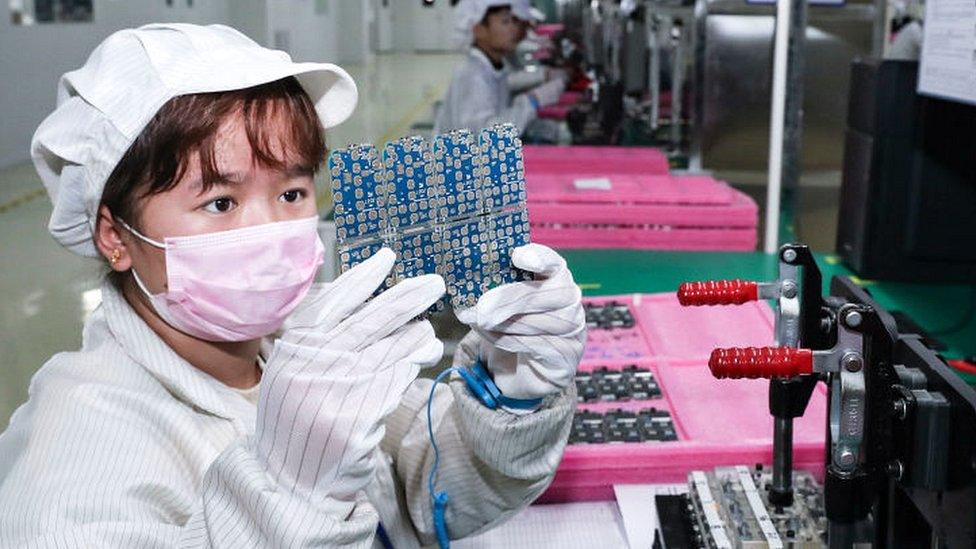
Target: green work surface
x: 939, y: 309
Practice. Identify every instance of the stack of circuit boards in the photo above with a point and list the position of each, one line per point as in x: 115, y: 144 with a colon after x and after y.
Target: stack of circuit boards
x: 454, y: 206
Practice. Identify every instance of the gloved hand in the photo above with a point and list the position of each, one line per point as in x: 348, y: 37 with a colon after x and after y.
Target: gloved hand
x: 530, y: 333
x: 548, y: 93
x: 338, y: 370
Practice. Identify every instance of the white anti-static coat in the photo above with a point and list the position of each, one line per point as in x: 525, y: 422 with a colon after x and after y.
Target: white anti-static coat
x: 480, y: 96
x: 123, y: 444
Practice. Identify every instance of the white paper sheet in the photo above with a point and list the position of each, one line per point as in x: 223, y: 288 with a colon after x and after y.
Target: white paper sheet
x: 595, y: 183
x: 585, y: 525
x: 639, y: 511
x: 948, y: 65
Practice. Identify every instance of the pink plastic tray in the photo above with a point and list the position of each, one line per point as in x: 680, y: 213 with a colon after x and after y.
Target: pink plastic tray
x: 657, y: 212
x: 740, y: 212
x: 629, y: 189
x: 570, y: 98
x: 549, y: 30
x: 554, y: 112
x: 665, y: 330
x: 593, y: 160
x: 542, y: 54
x: 646, y: 238
x: 560, y: 110
x: 719, y: 422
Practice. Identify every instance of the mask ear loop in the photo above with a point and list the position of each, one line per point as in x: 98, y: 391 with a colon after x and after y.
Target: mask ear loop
x: 141, y: 284
x: 147, y: 240
x: 142, y: 237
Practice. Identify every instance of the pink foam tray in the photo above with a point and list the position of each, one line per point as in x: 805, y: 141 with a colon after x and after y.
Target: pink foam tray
x: 542, y: 54
x: 550, y: 29
x: 570, y: 98
x: 554, y: 112
x: 628, y: 189
x: 646, y: 238
x: 662, y: 212
x: 718, y: 422
x: 593, y: 160
x: 665, y: 330
x: 560, y: 110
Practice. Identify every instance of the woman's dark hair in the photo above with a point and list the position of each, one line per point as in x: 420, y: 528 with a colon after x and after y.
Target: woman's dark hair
x: 188, y: 124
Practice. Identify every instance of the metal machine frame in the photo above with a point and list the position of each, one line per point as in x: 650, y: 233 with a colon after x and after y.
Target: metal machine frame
x: 901, y: 432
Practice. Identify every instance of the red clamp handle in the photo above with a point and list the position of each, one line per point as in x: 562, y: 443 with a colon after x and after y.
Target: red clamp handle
x: 760, y: 362
x: 718, y: 292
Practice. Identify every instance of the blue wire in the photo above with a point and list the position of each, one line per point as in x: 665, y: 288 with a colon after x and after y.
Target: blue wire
x: 430, y: 427
x: 484, y: 389
x: 438, y: 500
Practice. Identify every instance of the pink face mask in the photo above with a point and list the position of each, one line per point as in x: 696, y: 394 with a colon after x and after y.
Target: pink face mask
x: 236, y: 285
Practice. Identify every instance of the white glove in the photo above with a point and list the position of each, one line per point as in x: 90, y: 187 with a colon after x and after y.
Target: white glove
x: 338, y: 370
x: 531, y: 333
x: 548, y: 93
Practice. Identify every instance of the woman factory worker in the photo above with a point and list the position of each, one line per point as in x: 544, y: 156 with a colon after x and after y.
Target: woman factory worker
x: 183, y: 156
x: 480, y: 94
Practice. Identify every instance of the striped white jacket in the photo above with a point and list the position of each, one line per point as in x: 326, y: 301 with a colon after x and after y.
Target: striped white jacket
x: 124, y: 444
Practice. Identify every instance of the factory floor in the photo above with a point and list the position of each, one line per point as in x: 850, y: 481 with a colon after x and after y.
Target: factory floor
x: 48, y: 291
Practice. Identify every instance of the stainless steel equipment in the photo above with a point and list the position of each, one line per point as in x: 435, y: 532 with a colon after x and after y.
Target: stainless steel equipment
x: 732, y: 81
x: 716, y: 57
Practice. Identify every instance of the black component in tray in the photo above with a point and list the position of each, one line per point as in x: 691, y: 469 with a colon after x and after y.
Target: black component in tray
x: 646, y: 425
x: 607, y: 316
x: 604, y: 384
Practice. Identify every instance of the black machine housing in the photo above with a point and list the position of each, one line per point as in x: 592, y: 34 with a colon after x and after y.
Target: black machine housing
x: 908, y: 195
x: 917, y: 478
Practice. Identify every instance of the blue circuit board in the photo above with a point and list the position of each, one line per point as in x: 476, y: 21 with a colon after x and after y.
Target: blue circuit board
x: 358, y: 192
x: 454, y: 206
x: 504, y: 175
x: 457, y: 173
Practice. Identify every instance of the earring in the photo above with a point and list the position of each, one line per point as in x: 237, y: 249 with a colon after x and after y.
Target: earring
x: 116, y: 256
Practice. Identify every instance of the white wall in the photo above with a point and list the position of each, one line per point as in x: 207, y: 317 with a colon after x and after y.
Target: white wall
x: 353, y: 18
x: 32, y: 58
x: 382, y: 29
x: 433, y: 26
x: 416, y: 28
x: 401, y: 19
x: 297, y: 27
x: 251, y: 18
